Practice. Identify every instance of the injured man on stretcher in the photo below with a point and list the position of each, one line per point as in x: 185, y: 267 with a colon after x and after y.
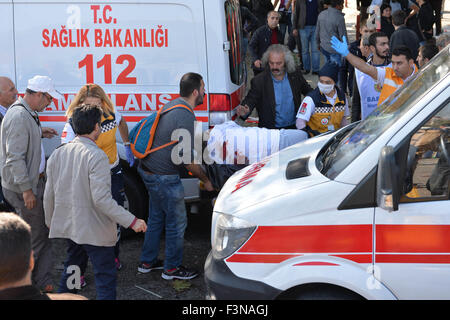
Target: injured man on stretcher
x: 231, y: 147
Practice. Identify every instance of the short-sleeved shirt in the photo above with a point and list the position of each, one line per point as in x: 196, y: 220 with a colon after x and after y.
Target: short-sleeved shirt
x: 389, y: 85
x: 381, y: 74
x: 161, y: 162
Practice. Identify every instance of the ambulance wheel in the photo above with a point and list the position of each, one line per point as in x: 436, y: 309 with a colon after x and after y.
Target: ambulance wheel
x: 325, y: 292
x: 136, y: 198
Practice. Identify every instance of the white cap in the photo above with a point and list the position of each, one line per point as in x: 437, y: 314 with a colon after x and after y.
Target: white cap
x: 43, y: 84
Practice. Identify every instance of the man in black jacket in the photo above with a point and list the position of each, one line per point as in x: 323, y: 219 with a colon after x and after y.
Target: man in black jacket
x: 249, y: 24
x: 260, y: 8
x: 262, y: 38
x: 403, y: 36
x: 276, y: 92
x: 426, y: 19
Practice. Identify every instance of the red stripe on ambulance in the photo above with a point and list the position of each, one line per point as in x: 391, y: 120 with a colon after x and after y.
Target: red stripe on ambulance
x: 310, y: 239
x: 413, y: 238
x: 124, y: 102
x: 260, y: 258
x: 413, y: 258
x: 394, y: 244
x: 127, y: 118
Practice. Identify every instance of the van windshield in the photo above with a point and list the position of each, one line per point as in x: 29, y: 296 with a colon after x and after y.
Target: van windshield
x: 344, y: 149
x: 234, y: 34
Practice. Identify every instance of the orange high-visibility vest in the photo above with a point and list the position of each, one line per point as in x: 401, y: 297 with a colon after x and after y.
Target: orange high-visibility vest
x: 391, y: 83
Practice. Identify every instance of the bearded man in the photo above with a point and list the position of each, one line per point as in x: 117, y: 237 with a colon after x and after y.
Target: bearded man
x: 277, y: 92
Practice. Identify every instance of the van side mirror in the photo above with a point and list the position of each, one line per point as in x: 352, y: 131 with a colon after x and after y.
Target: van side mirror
x: 387, y: 180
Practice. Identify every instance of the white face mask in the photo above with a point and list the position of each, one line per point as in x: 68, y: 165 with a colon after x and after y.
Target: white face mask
x: 325, y: 88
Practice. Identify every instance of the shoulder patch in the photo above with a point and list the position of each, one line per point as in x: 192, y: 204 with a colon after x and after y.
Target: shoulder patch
x: 303, y: 108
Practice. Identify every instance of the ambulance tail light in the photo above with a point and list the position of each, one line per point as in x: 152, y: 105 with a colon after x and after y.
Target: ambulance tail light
x: 219, y: 108
x: 229, y: 234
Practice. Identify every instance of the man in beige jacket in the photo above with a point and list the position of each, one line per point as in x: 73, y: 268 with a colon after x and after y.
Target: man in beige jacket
x: 79, y: 206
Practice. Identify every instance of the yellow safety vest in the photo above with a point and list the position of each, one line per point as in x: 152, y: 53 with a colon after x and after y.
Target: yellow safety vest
x: 107, y: 139
x: 326, y: 116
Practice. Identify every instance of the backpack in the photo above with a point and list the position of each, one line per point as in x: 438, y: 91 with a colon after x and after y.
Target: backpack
x: 142, y: 135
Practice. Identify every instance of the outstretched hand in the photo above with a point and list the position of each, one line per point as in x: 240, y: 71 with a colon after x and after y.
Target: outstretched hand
x: 340, y: 47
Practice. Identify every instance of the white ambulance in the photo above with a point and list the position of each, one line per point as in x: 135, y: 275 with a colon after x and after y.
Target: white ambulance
x: 363, y: 212
x: 136, y: 50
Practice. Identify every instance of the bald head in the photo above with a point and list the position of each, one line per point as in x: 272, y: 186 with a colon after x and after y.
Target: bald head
x: 8, y: 92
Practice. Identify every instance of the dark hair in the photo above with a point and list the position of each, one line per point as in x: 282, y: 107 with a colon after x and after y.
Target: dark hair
x: 85, y: 117
x: 335, y: 3
x: 189, y: 82
x: 15, y: 244
x: 403, y: 50
x: 29, y: 91
x: 384, y: 6
x: 432, y: 40
x: 398, y: 18
x: 374, y: 36
x: 429, y: 51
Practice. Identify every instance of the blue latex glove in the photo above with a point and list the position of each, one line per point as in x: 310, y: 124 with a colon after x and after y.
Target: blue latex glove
x: 340, y: 47
x: 130, y: 155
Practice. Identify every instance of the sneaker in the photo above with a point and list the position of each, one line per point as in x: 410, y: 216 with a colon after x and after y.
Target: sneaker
x: 118, y: 264
x: 83, y: 282
x: 179, y: 273
x: 147, y: 267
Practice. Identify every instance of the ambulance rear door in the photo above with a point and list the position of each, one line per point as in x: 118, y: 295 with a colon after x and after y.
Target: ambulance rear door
x: 226, y: 63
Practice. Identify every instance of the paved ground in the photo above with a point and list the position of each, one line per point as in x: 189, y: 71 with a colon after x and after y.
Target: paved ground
x: 132, y: 285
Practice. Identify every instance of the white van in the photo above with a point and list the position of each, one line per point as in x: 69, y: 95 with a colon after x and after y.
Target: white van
x: 363, y: 212
x: 136, y: 50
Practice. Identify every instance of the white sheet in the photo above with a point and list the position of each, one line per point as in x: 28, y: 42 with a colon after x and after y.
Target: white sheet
x: 230, y: 143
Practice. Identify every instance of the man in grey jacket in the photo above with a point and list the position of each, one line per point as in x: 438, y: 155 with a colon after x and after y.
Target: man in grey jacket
x: 79, y: 206
x: 22, y: 163
x: 331, y: 23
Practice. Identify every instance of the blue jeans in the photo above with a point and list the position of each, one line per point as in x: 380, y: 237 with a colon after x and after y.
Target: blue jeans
x: 332, y: 57
x: 308, y: 38
x: 287, y: 25
x: 166, y: 212
x: 105, y: 272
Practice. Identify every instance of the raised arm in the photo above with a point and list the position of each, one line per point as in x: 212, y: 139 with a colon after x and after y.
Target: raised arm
x: 341, y: 47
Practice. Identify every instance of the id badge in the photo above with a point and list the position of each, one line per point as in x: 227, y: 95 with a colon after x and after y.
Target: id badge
x: 330, y: 127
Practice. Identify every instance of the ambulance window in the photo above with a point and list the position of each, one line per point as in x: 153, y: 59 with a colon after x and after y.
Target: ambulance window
x: 234, y: 34
x: 428, y: 163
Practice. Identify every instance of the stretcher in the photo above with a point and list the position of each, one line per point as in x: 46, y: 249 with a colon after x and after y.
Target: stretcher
x: 231, y: 147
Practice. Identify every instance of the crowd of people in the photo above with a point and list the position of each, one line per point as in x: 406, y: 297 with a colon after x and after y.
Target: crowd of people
x: 78, y: 193
x: 410, y: 29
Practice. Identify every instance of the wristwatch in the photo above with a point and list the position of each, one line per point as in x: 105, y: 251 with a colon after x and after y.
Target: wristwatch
x: 127, y: 143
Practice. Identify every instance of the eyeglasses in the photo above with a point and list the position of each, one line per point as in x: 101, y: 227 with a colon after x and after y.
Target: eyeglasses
x: 49, y: 97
